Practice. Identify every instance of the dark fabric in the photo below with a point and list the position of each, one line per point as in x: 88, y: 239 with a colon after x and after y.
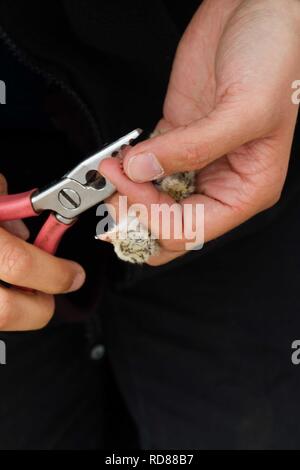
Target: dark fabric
x: 201, y: 347
x: 65, y: 97
x: 209, y: 366
x: 78, y: 41
x: 208, y: 337
x: 52, y: 395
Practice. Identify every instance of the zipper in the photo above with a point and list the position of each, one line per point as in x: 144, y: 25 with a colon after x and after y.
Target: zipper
x: 51, y: 79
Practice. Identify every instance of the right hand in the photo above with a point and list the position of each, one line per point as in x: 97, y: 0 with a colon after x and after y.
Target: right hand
x: 228, y: 115
x: 24, y: 265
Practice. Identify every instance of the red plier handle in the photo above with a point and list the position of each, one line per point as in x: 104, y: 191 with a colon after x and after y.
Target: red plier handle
x: 19, y: 206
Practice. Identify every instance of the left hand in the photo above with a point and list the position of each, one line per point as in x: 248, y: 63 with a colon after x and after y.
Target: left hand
x: 228, y: 115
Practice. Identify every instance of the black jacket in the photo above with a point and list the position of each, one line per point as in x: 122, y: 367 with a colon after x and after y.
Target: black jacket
x: 200, y: 347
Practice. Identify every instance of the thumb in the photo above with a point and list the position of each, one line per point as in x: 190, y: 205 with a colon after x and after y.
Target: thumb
x: 190, y: 147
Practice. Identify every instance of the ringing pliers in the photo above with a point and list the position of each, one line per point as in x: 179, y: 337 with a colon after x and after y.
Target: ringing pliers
x: 79, y: 190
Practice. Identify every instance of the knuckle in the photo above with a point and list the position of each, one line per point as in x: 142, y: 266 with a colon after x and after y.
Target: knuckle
x: 15, y: 262
x: 5, y: 309
x: 198, y: 155
x: 273, y: 196
x: 259, y: 116
x: 272, y: 201
x: 276, y: 198
x: 192, y: 155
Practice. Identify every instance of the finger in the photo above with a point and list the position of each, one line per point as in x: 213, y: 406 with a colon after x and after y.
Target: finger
x: 20, y: 311
x: 3, y: 184
x: 164, y: 256
x: 155, y: 210
x: 194, y: 146
x: 204, y: 218
x: 16, y: 227
x: 25, y: 265
x: 161, y: 128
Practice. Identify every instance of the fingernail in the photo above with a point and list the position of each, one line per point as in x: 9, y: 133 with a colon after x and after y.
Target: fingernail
x: 144, y: 167
x: 78, y: 282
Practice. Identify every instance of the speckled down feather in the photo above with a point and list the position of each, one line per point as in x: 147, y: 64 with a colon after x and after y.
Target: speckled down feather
x: 139, y: 246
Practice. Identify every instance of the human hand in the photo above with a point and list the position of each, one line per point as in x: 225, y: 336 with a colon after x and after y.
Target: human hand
x: 228, y: 115
x: 24, y: 265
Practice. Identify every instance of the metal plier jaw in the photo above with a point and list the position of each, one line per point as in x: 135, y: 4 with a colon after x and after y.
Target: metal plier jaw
x: 81, y: 188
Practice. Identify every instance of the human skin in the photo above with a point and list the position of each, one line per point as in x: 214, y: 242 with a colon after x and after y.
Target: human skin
x: 22, y: 264
x: 228, y: 114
